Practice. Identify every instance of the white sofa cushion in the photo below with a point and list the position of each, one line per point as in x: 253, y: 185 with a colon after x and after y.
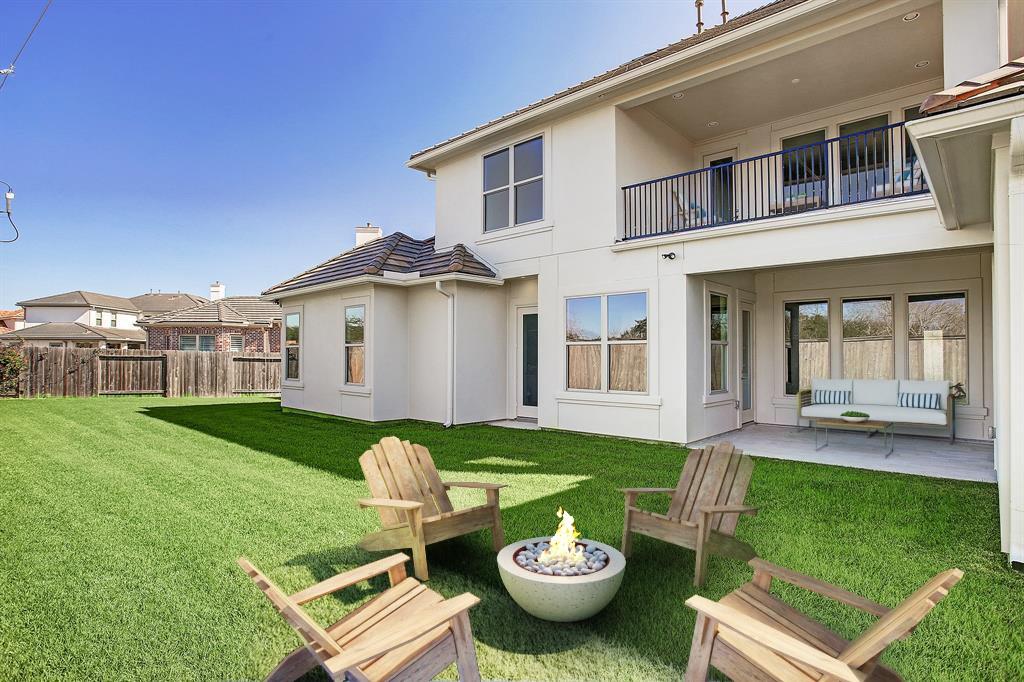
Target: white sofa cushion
x: 886, y: 413
x: 876, y: 392
x: 940, y: 387
x: 831, y: 385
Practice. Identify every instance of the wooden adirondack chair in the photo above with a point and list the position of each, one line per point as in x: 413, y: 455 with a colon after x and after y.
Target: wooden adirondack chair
x: 405, y: 633
x: 413, y: 502
x: 751, y: 635
x: 705, y: 508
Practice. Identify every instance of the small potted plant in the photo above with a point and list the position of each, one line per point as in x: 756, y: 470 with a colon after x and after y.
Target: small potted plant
x: 854, y: 416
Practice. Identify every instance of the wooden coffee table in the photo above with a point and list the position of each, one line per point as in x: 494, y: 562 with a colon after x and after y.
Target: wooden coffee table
x: 872, y: 426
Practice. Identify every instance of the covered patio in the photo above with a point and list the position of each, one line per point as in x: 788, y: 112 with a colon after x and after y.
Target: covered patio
x: 963, y: 460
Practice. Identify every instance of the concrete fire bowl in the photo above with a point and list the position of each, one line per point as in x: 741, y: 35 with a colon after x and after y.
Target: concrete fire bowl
x: 558, y: 598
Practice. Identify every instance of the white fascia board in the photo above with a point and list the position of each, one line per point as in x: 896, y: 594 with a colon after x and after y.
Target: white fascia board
x: 377, y: 279
x: 424, y: 162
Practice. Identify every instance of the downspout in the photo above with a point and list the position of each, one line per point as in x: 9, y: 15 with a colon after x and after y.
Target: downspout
x: 450, y: 410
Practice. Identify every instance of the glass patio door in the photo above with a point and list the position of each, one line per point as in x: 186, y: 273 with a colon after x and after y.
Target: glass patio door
x: 526, y: 361
x: 746, y: 363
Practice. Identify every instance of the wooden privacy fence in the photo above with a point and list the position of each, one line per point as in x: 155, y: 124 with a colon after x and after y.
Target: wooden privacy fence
x: 88, y: 372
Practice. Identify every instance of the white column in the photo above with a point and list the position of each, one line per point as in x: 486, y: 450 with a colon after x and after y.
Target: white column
x: 1008, y: 278
x: 971, y: 43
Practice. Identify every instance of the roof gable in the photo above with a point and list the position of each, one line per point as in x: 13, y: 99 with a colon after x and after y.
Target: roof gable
x: 77, y: 298
x: 232, y: 310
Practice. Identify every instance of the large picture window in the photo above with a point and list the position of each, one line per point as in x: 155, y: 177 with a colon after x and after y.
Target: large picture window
x: 292, y: 346
x: 718, y: 342
x: 613, y: 327
x: 514, y: 185
x: 937, y: 330
x: 355, y: 344
x: 806, y: 344
x: 868, y: 348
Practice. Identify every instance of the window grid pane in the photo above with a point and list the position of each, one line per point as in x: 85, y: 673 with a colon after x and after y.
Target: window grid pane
x: 186, y: 343
x: 207, y: 344
x: 529, y: 159
x: 496, y: 210
x: 355, y: 372
x: 529, y: 202
x: 496, y: 170
x: 627, y: 317
x: 584, y: 366
x: 627, y: 367
x: 355, y: 319
x: 583, y: 319
x: 938, y: 337
x: 292, y: 363
x: 291, y: 329
x: 806, y: 344
x: 868, y: 348
x: 237, y: 343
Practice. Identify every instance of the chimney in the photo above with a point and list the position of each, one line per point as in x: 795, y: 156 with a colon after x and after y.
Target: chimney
x: 367, y: 233
x: 216, y: 291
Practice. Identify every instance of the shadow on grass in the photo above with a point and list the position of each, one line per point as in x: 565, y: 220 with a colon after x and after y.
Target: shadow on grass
x: 658, y: 578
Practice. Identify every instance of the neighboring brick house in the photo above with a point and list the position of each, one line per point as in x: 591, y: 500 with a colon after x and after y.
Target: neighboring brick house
x: 235, y: 323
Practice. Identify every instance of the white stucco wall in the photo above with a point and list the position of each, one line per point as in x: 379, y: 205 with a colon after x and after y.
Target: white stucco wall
x: 481, y: 371
x: 971, y: 39
x: 41, y: 314
x: 428, y: 320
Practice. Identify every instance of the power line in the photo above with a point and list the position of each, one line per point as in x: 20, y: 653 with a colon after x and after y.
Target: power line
x: 10, y: 69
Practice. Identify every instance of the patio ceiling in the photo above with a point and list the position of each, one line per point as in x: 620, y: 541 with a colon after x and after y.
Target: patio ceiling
x: 870, y: 60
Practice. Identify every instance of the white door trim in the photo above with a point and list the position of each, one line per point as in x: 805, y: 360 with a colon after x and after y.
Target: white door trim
x: 748, y: 415
x: 529, y: 411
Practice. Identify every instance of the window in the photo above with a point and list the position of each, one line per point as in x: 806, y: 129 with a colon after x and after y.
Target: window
x: 627, y: 342
x: 621, y: 338
x: 291, y: 346
x: 207, y: 343
x: 355, y: 348
x: 237, y: 343
x: 864, y: 159
x: 583, y: 343
x: 868, y: 339
x: 514, y: 185
x: 804, y: 172
x: 806, y: 344
x: 187, y: 342
x: 99, y: 318
x: 937, y: 327
x: 718, y: 346
x: 113, y: 318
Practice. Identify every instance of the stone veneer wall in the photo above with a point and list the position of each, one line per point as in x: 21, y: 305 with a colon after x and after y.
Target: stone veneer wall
x: 166, y: 338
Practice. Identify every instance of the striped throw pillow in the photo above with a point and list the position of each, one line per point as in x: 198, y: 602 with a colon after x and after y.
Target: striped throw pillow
x: 822, y: 397
x: 929, y: 401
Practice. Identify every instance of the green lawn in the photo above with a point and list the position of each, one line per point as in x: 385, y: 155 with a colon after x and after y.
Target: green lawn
x: 121, y: 520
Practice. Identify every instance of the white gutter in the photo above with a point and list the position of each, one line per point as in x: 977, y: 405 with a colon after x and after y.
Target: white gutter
x: 450, y: 412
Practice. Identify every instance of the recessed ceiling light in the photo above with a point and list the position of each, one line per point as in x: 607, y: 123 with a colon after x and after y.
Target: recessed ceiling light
x: 910, y: 17
x: 712, y: 124
x: 921, y: 64
x: 795, y: 80
x: 678, y: 95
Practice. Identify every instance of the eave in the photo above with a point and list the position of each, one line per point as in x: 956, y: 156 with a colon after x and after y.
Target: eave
x: 388, y: 281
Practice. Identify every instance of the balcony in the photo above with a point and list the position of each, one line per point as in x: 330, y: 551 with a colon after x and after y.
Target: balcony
x: 869, y: 165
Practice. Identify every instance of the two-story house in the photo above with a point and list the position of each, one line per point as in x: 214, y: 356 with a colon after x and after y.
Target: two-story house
x: 78, y: 319
x: 676, y: 247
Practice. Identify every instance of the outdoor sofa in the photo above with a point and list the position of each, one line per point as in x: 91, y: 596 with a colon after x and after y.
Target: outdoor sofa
x: 901, y: 401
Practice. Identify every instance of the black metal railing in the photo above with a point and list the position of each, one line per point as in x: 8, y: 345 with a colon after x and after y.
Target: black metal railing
x: 864, y: 166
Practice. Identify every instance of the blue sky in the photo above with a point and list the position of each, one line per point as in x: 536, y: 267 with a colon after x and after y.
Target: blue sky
x: 164, y: 145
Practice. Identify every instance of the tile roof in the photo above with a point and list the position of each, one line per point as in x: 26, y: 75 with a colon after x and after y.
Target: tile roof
x: 234, y: 310
x: 82, y: 298
x: 736, y: 22
x: 1006, y: 81
x: 160, y: 303
x: 397, y: 252
x: 12, y: 314
x: 73, y: 331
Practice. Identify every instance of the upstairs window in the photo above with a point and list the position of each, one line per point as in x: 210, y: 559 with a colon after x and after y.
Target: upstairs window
x: 237, y: 343
x: 113, y: 318
x: 514, y: 185
x: 99, y: 318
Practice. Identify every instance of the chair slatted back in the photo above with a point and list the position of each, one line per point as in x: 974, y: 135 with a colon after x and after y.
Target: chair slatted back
x: 713, y: 475
x: 400, y: 470
x: 902, y: 620
x: 316, y: 638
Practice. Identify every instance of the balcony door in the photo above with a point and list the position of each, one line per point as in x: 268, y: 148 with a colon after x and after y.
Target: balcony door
x: 720, y: 187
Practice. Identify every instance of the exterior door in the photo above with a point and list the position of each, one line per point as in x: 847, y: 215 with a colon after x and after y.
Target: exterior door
x: 526, y: 363
x: 720, y: 189
x: 746, y: 368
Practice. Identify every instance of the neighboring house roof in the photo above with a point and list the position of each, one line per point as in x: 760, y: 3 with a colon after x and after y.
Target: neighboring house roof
x: 82, y: 298
x: 397, y: 252
x: 233, y: 310
x: 73, y: 331
x: 153, y: 304
x: 1006, y: 81
x: 707, y: 34
x: 18, y: 314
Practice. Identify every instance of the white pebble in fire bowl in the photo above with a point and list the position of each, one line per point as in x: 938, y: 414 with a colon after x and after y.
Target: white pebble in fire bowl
x: 587, y: 559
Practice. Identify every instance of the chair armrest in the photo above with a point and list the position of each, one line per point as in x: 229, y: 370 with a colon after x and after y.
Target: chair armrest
x: 385, y: 502
x: 642, y: 491
x: 729, y: 509
x: 472, y: 484
x: 821, y: 587
x: 411, y: 627
x: 348, y: 578
x: 773, y: 639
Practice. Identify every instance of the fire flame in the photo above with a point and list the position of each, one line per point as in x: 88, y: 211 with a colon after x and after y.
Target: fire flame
x: 563, y: 542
